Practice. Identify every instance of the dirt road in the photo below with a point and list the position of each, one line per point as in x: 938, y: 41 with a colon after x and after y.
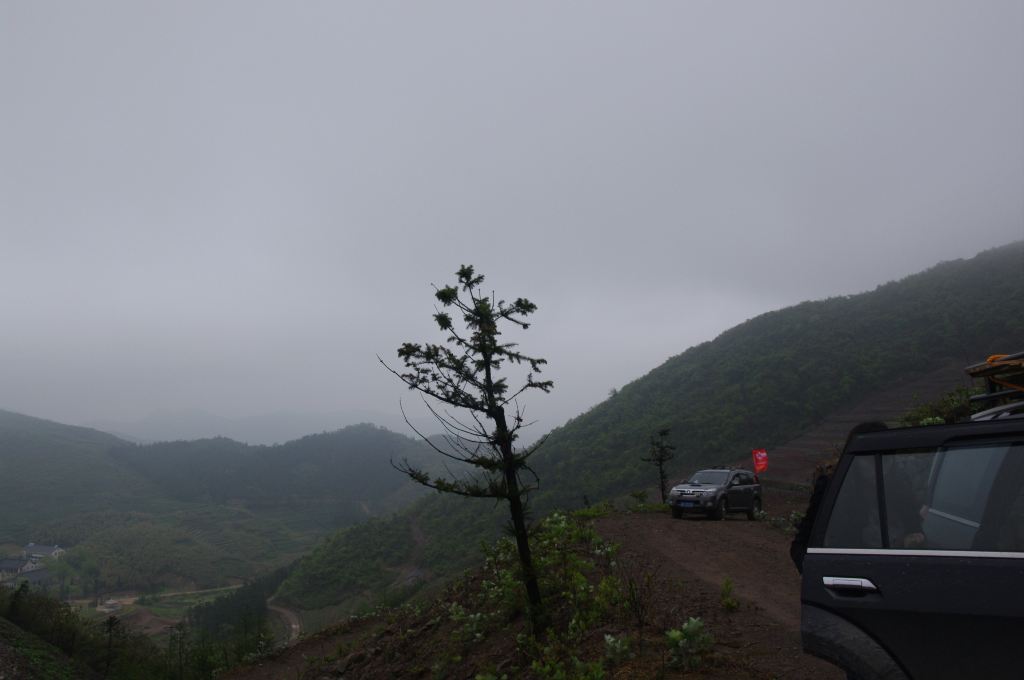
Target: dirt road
x: 291, y: 618
x: 690, y: 560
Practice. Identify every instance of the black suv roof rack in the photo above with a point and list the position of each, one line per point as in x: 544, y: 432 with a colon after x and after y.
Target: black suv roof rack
x: 1004, y: 380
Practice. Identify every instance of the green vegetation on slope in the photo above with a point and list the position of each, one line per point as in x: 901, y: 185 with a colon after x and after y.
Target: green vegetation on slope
x: 230, y: 617
x: 760, y: 383
x: 53, y: 639
x: 50, y: 471
x: 373, y: 560
x: 34, y: 658
x: 87, y: 648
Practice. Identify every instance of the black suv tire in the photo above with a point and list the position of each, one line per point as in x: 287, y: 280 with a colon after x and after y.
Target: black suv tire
x: 754, y: 509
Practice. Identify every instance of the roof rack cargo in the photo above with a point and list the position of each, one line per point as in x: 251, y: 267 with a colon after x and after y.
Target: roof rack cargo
x: 1004, y: 382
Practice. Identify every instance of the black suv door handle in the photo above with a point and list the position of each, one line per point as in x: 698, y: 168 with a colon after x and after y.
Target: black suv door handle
x: 848, y: 583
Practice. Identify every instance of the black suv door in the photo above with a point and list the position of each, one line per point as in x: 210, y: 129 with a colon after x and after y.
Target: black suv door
x: 916, y: 562
x: 741, y: 491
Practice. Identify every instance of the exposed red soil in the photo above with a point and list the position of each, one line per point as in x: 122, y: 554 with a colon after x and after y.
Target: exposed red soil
x: 143, y: 621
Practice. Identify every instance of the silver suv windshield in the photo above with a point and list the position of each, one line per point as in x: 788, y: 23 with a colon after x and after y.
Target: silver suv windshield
x: 717, y: 477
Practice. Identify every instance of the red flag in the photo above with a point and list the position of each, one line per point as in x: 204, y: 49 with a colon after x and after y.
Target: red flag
x: 760, y: 460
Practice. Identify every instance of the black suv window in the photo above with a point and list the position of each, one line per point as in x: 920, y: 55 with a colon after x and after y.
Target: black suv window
x: 854, y: 520
x: 955, y: 498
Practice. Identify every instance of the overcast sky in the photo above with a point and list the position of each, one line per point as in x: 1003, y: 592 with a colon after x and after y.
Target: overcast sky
x: 234, y: 206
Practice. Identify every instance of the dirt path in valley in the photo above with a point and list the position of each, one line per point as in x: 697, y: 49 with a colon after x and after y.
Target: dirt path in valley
x: 290, y: 617
x: 409, y: 574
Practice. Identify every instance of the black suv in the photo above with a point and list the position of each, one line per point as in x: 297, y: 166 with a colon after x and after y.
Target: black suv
x: 915, y: 565
x: 717, y: 491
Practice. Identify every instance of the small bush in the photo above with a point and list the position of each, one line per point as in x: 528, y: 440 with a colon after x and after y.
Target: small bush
x: 653, y: 508
x: 616, y: 650
x: 572, y: 669
x: 787, y: 524
x: 602, y: 509
x: 471, y: 625
x: 729, y: 601
x: 639, y: 496
x: 689, y: 645
x: 638, y: 586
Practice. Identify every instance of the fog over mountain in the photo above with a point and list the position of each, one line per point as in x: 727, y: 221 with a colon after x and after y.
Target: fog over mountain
x: 236, y: 207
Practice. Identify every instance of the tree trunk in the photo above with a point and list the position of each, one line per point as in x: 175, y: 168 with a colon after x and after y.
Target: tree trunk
x: 525, y: 558
x: 538, y: 620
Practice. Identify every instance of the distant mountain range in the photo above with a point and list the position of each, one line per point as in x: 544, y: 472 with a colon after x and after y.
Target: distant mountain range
x: 270, y: 428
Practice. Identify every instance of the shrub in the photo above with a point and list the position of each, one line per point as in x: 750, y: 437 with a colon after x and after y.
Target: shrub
x: 729, y: 601
x: 616, y: 650
x: 689, y: 645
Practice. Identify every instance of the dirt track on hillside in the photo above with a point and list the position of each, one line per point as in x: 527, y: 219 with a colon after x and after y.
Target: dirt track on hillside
x: 290, y: 618
x: 753, y: 557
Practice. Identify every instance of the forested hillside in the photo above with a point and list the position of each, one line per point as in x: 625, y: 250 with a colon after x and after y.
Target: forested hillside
x: 49, y: 471
x: 760, y: 383
x: 189, y: 513
x: 765, y: 381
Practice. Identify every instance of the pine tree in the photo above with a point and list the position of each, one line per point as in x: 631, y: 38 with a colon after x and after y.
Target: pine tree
x: 464, y: 373
x: 661, y: 452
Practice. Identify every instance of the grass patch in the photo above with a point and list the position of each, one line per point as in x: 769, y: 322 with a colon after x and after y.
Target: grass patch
x: 175, y: 606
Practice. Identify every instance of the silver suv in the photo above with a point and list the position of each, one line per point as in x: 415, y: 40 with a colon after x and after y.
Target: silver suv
x: 717, y: 491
